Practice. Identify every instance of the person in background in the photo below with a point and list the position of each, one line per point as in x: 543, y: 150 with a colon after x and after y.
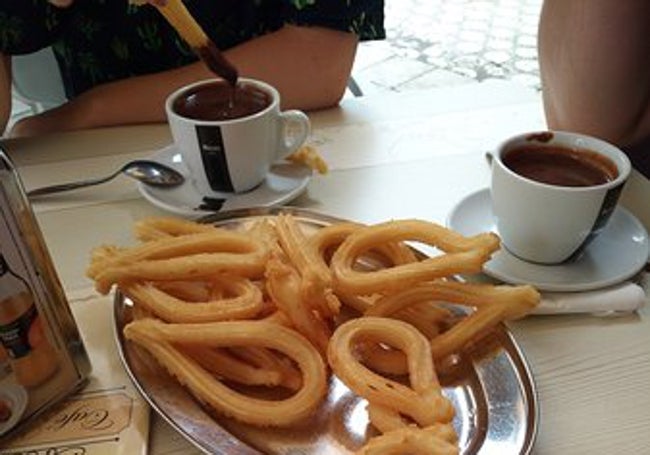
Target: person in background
x: 120, y: 61
x: 594, y: 58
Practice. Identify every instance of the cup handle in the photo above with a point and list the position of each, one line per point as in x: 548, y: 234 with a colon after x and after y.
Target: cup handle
x: 294, y: 129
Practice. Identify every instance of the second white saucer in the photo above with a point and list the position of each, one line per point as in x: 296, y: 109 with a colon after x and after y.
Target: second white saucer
x: 284, y: 182
x: 618, y: 253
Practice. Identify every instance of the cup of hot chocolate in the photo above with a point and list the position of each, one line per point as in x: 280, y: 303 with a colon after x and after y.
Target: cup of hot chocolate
x: 229, y: 137
x: 553, y: 192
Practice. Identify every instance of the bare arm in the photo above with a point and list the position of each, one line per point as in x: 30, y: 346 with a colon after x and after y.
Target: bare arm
x: 595, y: 66
x: 310, y: 67
x: 5, y: 91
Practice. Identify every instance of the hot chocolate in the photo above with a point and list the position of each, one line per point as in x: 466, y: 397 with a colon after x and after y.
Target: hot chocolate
x: 220, y: 101
x: 561, y: 166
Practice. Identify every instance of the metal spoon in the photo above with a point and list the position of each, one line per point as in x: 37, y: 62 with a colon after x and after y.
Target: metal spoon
x: 149, y: 172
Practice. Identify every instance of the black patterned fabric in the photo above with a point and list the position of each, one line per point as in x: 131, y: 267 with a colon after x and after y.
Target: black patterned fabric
x: 97, y: 41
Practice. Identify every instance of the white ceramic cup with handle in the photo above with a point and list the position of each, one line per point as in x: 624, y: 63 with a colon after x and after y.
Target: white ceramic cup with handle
x: 553, y: 192
x: 229, y: 140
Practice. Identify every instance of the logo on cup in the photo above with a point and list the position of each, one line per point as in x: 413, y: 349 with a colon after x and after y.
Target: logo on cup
x: 213, y: 158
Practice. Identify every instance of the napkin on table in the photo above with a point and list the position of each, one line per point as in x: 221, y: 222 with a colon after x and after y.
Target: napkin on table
x: 621, y: 298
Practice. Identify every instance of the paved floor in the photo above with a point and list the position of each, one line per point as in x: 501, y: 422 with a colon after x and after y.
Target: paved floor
x: 437, y: 43
x: 443, y: 43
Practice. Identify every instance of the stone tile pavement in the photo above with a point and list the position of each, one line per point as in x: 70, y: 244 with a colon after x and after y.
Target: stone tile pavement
x: 437, y: 43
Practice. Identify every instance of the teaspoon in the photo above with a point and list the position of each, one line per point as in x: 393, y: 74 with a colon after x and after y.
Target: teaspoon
x: 148, y: 172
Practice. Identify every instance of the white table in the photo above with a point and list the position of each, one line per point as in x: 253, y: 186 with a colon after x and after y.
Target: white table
x: 398, y: 156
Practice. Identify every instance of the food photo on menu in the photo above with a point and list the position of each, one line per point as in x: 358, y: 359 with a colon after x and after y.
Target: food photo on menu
x: 241, y: 307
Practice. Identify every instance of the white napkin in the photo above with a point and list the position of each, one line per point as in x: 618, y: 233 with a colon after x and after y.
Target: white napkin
x: 622, y: 298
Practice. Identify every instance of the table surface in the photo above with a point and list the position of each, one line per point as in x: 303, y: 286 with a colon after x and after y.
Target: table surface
x: 408, y: 155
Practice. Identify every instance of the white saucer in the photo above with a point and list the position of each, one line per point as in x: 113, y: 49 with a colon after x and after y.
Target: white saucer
x: 618, y: 253
x: 16, y: 398
x: 284, y: 182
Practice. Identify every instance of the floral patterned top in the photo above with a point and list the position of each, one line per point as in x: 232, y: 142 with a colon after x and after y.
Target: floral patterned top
x: 97, y: 41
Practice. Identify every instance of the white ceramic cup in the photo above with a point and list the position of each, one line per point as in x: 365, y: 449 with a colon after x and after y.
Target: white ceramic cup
x: 235, y: 155
x: 547, y: 223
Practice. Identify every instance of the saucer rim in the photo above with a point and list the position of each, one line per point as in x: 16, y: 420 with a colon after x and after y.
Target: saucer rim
x: 150, y: 194
x: 492, y: 269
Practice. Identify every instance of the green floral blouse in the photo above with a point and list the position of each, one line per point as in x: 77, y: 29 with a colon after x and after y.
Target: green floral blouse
x: 97, y: 41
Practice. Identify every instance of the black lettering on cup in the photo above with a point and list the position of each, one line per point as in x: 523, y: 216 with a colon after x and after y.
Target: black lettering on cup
x: 213, y: 156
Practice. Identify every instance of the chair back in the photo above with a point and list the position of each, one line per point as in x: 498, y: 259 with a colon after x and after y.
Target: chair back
x: 37, y: 80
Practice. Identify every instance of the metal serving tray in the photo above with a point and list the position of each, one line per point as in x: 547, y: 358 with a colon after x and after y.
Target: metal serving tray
x: 491, y: 388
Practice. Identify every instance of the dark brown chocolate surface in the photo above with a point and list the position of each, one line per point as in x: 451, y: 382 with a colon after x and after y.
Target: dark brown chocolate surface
x: 560, y: 166
x: 220, y: 101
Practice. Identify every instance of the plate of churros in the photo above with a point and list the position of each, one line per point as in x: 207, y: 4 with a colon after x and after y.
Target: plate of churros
x: 283, y: 331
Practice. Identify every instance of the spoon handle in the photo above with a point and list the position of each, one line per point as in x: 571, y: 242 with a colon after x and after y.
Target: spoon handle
x: 69, y: 186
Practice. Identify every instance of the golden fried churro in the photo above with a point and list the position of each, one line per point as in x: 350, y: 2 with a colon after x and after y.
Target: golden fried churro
x: 328, y: 238
x: 246, y: 365
x: 463, y: 255
x: 423, y: 401
x: 316, y: 279
x: 284, y: 286
x: 489, y: 306
x: 160, y: 339
x: 154, y: 228
x: 188, y: 257
x: 272, y: 361
x: 245, y: 301
x: 434, y: 440
x: 308, y: 156
x: 226, y: 366
x: 493, y: 304
x: 331, y: 237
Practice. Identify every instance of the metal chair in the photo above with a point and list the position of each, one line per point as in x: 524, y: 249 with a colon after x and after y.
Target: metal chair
x: 354, y: 87
x: 37, y: 80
